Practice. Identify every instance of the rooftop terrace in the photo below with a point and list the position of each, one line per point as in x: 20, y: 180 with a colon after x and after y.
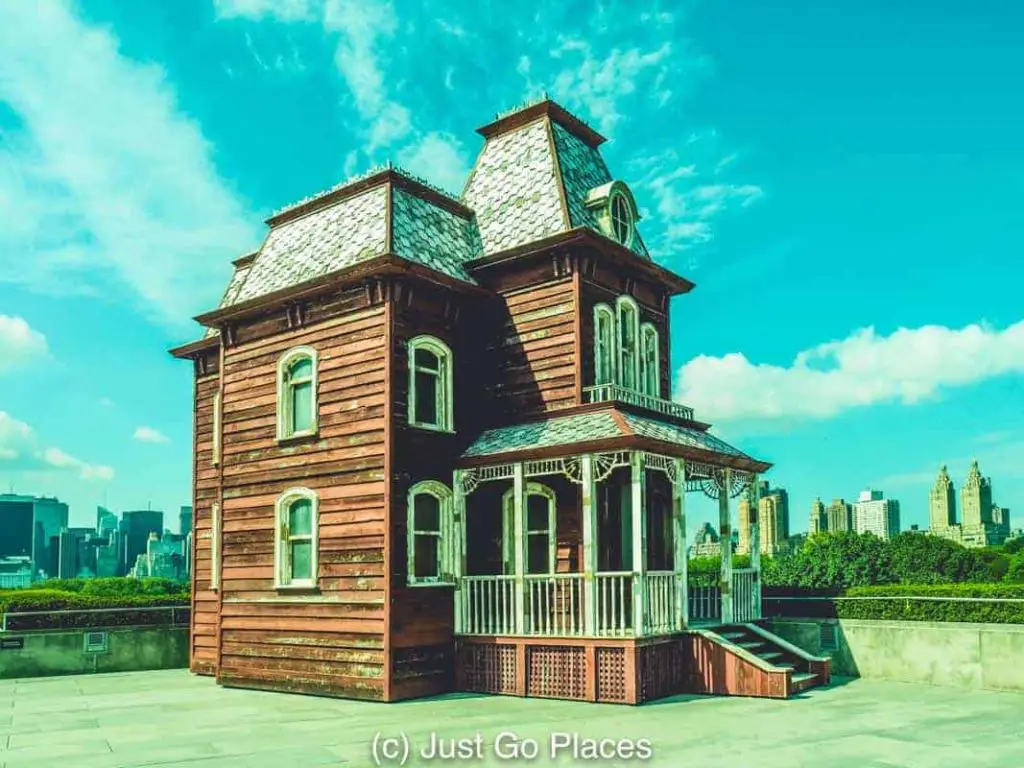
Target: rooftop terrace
x: 171, y: 718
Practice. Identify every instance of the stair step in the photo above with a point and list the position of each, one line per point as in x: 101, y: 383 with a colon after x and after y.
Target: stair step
x: 769, y: 655
x: 734, y: 635
x: 751, y: 645
x: 801, y: 677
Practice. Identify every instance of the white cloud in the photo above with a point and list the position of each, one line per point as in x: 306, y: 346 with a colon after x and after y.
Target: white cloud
x: 599, y: 83
x: 908, y: 366
x: 20, y: 344
x: 150, y: 435
x: 686, y: 200
x: 20, y: 450
x: 284, y: 10
x: 104, y: 179
x: 438, y: 157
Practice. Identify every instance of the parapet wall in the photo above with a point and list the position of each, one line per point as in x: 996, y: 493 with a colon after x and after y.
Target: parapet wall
x: 44, y: 653
x: 952, y: 654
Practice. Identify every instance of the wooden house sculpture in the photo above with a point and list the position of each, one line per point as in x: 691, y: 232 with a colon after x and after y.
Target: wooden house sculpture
x: 435, y: 449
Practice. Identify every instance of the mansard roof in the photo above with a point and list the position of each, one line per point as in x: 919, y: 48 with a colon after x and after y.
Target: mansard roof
x: 539, y: 175
x: 533, y: 178
x: 611, y: 429
x: 388, y: 212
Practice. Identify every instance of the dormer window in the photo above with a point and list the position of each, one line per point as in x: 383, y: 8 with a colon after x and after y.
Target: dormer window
x: 621, y: 218
x: 614, y: 211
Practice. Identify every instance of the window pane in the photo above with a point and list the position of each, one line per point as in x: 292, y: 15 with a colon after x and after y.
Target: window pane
x: 426, y: 512
x: 426, y: 398
x: 537, y: 553
x: 302, y: 407
x: 301, y: 369
x: 603, y: 348
x: 536, y: 513
x: 426, y: 359
x: 301, y: 560
x: 426, y: 562
x: 300, y: 518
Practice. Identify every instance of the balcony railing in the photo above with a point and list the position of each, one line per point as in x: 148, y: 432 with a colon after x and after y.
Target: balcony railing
x: 555, y: 605
x: 605, y: 393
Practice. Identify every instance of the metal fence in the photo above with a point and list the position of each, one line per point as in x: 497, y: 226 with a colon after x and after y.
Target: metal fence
x: 96, y: 618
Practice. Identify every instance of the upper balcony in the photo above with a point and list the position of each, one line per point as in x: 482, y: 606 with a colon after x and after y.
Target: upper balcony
x: 608, y: 393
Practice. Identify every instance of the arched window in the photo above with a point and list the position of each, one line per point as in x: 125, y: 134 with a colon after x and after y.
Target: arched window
x: 649, y: 360
x: 296, y: 542
x: 628, y: 330
x: 429, y: 537
x: 539, y: 532
x: 604, y: 344
x: 296, y: 393
x: 430, y: 384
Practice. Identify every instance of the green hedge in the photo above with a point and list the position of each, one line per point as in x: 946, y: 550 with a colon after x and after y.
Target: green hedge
x: 890, y: 607
x: 114, y: 586
x: 35, y: 599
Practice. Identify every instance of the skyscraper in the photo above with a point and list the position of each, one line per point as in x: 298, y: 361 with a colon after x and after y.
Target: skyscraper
x: 979, y: 527
x: 185, y: 521
x: 30, y: 526
x: 106, y: 521
x: 839, y: 516
x: 872, y: 513
x: 942, y: 503
x: 819, y: 522
x: 136, y: 526
x: 773, y: 519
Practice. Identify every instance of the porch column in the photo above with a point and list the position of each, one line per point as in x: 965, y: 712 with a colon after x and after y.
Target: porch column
x: 755, y: 538
x: 458, y: 547
x: 518, y: 528
x: 725, y: 531
x: 639, y: 520
x: 680, y: 562
x: 589, y: 491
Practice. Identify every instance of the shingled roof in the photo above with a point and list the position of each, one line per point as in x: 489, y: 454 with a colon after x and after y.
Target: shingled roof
x: 563, y: 432
x: 387, y: 212
x: 534, y: 177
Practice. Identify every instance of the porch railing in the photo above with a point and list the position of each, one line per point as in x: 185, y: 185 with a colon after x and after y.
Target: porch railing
x: 555, y: 605
x: 705, y: 604
x: 746, y: 595
x: 603, y: 393
x: 660, y: 602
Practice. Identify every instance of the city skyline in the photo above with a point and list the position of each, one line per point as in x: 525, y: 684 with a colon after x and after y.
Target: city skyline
x: 761, y: 162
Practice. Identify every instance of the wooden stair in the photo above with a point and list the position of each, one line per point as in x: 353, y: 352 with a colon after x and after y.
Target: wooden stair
x: 747, y: 660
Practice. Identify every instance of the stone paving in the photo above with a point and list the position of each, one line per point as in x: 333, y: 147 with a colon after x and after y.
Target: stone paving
x: 171, y: 718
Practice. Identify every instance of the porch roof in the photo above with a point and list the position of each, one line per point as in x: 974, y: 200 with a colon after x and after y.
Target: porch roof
x: 604, y: 430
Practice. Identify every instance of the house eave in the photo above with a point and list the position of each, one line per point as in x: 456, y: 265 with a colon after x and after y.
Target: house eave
x: 194, y: 348
x: 383, y: 265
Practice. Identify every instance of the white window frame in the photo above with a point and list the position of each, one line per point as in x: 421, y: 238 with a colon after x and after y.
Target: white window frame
x: 648, y: 385
x: 606, y: 347
x: 445, y: 395
x: 285, y: 417
x: 214, y: 547
x: 282, y: 537
x: 627, y: 303
x: 630, y: 219
x: 508, y: 533
x: 217, y: 399
x: 445, y: 550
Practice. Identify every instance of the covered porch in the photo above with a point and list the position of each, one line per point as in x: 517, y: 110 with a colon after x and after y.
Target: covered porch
x: 575, y: 527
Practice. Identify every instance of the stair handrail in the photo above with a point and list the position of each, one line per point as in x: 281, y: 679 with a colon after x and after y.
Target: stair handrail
x: 783, y: 644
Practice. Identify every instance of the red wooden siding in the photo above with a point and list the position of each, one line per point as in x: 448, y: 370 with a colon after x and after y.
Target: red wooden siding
x: 330, y: 642
x: 205, y: 604
x: 536, y: 354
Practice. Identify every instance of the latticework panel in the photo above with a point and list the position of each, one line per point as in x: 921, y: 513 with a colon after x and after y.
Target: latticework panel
x: 611, y: 675
x: 558, y: 672
x: 662, y: 667
x: 488, y: 668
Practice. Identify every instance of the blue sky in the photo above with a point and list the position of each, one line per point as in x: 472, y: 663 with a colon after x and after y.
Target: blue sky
x: 843, y: 183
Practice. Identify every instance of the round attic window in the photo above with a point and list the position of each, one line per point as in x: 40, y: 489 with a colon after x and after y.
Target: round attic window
x: 622, y: 218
